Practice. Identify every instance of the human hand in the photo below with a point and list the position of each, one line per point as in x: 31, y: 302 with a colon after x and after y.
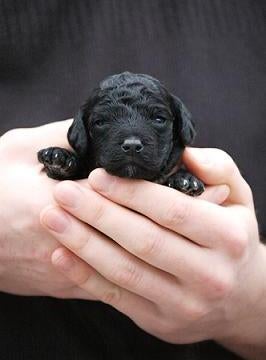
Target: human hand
x: 182, y: 268
x: 25, y: 247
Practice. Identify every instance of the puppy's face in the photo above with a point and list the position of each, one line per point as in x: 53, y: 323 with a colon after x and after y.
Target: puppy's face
x: 133, y: 127
x: 131, y: 133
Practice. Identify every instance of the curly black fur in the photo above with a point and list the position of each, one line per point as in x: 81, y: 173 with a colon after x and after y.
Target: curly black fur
x: 131, y: 126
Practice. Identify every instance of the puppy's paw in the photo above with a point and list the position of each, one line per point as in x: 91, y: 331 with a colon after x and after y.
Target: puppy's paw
x: 58, y: 163
x: 186, y: 183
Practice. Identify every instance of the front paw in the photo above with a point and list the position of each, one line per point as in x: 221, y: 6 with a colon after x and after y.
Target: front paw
x: 58, y: 163
x: 186, y: 183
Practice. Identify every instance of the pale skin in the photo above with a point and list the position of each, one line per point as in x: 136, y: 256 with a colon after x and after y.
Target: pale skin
x: 25, y: 246
x: 183, y: 269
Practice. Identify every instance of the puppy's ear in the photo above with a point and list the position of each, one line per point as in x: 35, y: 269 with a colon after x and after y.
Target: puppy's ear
x: 183, y: 124
x: 78, y: 135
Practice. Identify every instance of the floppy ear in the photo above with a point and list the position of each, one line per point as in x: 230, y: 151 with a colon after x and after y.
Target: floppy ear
x: 78, y: 135
x: 184, y: 127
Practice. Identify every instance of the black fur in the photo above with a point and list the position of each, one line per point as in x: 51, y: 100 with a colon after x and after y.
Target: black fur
x: 131, y: 126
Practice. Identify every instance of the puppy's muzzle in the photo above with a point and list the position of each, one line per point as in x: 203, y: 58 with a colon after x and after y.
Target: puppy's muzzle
x: 132, y: 145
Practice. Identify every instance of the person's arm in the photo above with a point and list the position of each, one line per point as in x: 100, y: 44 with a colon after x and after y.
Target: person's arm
x: 183, y: 269
x: 25, y: 248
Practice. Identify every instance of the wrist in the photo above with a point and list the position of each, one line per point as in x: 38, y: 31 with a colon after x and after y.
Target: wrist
x: 247, y: 337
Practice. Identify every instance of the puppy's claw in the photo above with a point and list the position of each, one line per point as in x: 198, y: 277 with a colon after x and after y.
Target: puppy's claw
x: 184, y: 183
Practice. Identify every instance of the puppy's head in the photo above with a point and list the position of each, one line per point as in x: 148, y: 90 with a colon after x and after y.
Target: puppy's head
x: 133, y: 127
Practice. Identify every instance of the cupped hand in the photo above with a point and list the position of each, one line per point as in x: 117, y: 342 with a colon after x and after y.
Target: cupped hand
x: 184, y: 269
x: 25, y: 247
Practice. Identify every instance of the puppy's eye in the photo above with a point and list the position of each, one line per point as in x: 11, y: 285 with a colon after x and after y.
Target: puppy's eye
x: 99, y: 123
x: 160, y: 120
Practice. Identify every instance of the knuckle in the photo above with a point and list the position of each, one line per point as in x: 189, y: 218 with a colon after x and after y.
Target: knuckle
x: 189, y: 308
x: 219, y: 285
x: 237, y: 242
x: 222, y: 287
x: 226, y: 161
x: 98, y: 214
x: 82, y: 278
x: 126, y: 275
x: 231, y: 168
x: 150, y: 245
x: 224, y: 156
x: 111, y: 296
x: 193, y: 311
x: 78, y: 244
x: 177, y: 213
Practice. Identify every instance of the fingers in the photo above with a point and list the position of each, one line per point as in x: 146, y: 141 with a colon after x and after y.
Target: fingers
x: 83, y: 275
x: 194, y: 218
x: 90, y: 284
x: 139, y: 235
x: 214, y: 167
x: 108, y: 259
x: 127, y: 288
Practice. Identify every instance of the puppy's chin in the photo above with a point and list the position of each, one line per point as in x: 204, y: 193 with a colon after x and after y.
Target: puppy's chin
x: 133, y: 171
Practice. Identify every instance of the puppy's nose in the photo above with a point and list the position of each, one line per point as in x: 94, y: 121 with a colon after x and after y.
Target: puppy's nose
x: 132, y: 144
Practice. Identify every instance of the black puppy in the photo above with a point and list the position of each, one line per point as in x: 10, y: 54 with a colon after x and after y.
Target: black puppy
x: 132, y: 127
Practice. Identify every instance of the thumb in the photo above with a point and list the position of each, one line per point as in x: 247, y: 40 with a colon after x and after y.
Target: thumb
x: 216, y: 167
x: 52, y: 134
x: 216, y: 194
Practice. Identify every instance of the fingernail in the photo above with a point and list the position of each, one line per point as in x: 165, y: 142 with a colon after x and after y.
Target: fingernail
x: 67, y: 193
x: 55, y: 220
x: 100, y: 180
